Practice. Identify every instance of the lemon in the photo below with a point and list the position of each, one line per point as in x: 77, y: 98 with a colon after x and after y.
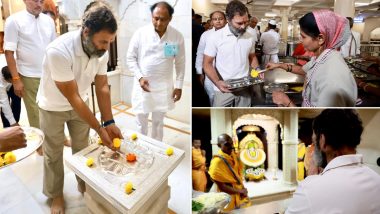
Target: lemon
x: 90, y: 162
x: 133, y: 136
x: 100, y: 142
x: 9, y: 157
x: 116, y: 142
x: 128, y: 187
x: 169, y: 151
x: 254, y: 73
x: 1, y: 161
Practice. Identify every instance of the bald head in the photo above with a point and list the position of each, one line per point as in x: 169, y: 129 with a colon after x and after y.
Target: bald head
x: 225, y: 143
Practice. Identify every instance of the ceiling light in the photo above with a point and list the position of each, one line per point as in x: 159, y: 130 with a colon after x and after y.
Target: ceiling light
x: 285, y: 2
x: 358, y: 4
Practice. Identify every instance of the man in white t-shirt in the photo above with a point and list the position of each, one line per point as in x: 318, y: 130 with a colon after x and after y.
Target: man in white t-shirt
x: 345, y: 185
x: 352, y: 47
x: 27, y: 33
x: 72, y: 62
x: 233, y: 51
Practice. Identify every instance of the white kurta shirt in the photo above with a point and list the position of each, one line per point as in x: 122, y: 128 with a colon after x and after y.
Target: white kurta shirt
x: 345, y: 186
x: 270, y: 41
x: 64, y: 61
x: 152, y: 57
x: 332, y: 84
x: 354, y: 42
x: 28, y: 36
x: 231, y: 53
x: 253, y: 32
x: 4, y: 101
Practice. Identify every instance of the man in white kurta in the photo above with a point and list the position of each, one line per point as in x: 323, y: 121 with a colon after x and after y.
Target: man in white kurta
x: 152, y: 52
x: 352, y: 47
x: 270, y: 41
x: 27, y: 33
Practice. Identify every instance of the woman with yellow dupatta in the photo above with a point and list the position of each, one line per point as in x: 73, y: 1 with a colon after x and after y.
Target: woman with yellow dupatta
x: 226, y: 170
x: 198, y: 167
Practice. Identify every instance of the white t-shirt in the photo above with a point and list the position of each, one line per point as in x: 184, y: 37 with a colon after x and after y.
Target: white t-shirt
x: 270, y: 41
x: 253, y: 32
x: 332, y: 84
x: 28, y: 36
x: 355, y: 45
x: 231, y: 53
x: 346, y: 186
x: 64, y: 61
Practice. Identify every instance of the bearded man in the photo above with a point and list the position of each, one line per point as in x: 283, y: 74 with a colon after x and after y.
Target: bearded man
x: 233, y: 50
x: 72, y: 62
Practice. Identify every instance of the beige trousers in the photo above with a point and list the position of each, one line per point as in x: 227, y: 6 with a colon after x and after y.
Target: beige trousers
x: 52, y: 124
x: 31, y: 85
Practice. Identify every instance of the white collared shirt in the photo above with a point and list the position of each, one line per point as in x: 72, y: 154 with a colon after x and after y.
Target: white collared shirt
x: 201, y: 49
x: 253, y: 32
x: 354, y: 42
x: 345, y: 186
x: 231, y: 53
x: 28, y: 36
x: 270, y: 41
x: 332, y: 85
x: 64, y: 61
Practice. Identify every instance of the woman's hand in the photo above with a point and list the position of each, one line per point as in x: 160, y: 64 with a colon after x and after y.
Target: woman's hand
x: 271, y: 66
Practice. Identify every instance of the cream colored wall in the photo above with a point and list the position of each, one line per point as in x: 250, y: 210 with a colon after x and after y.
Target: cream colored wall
x: 16, y: 6
x: 370, y: 24
x: 359, y: 27
x: 371, y: 123
x: 203, y: 7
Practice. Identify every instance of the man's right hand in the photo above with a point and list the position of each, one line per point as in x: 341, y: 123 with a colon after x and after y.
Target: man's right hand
x: 223, y: 87
x: 18, y: 88
x: 12, y: 138
x: 106, y: 140
x: 144, y: 84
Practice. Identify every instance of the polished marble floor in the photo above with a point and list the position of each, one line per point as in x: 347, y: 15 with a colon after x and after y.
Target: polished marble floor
x: 21, y: 183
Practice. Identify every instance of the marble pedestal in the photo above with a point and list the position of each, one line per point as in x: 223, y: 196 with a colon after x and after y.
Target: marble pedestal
x: 105, y: 192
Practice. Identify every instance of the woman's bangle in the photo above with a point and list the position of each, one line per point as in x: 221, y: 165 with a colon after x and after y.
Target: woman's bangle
x: 289, y: 103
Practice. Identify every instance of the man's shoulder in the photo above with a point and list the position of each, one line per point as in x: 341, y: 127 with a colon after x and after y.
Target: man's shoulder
x: 63, y: 42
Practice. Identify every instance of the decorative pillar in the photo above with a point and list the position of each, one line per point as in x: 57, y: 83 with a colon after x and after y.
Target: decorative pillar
x: 220, y: 123
x: 296, y: 30
x: 272, y: 141
x: 345, y: 8
x: 284, y: 24
x: 290, y: 146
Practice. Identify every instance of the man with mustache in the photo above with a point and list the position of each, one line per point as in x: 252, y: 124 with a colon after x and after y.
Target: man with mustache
x: 152, y: 52
x: 72, y: 62
x: 345, y: 185
x: 27, y: 33
x: 234, y: 52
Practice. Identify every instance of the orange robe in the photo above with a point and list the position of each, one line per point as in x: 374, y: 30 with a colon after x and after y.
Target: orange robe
x: 199, y: 170
x: 220, y: 172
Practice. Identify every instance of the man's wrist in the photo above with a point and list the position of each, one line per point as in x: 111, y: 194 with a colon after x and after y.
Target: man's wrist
x: 108, y: 123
